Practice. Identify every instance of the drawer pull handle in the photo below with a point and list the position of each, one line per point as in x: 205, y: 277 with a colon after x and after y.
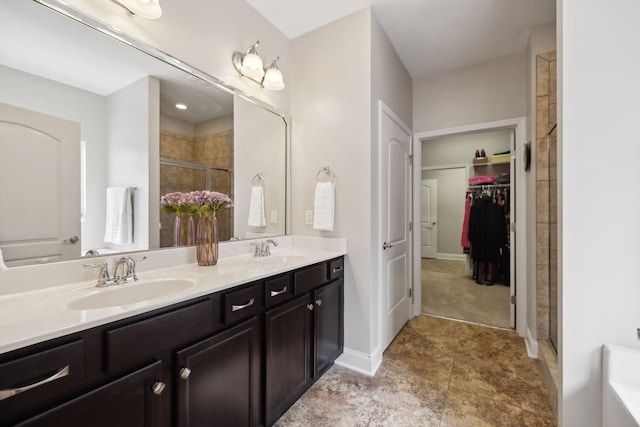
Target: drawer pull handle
x: 318, y: 302
x: 337, y: 269
x: 158, y: 387
x: 310, y: 307
x: 63, y: 372
x: 184, y: 373
x: 240, y: 307
x: 280, y: 292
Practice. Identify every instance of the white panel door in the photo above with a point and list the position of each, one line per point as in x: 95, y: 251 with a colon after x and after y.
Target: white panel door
x: 429, y: 222
x: 395, y: 188
x: 39, y: 185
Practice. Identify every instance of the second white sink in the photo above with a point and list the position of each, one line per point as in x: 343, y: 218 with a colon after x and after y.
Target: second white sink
x: 130, y: 293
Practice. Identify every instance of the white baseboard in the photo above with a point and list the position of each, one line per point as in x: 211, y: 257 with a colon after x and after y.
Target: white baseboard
x: 532, y: 345
x: 360, y: 362
x: 453, y: 257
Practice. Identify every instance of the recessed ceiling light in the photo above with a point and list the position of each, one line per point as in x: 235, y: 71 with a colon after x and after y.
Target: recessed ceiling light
x: 181, y: 106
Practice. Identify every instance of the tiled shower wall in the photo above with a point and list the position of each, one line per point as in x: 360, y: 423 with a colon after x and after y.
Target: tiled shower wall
x: 215, y: 150
x: 546, y: 198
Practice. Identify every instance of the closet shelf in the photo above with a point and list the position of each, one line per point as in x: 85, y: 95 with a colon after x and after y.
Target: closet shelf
x: 489, y: 163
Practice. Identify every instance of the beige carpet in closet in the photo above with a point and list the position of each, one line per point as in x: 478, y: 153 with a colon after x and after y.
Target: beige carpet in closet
x: 449, y: 292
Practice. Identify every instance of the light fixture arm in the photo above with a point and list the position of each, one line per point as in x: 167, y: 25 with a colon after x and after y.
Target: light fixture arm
x: 122, y: 5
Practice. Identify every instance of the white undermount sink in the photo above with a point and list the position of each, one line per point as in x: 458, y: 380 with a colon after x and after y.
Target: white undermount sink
x: 130, y: 293
x: 621, y: 386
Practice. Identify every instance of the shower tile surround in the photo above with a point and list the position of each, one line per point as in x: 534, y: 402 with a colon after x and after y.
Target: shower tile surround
x: 215, y: 150
x: 546, y: 218
x: 436, y: 372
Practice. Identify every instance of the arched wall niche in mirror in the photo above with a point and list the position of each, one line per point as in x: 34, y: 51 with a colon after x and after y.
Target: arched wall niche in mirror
x: 82, y: 111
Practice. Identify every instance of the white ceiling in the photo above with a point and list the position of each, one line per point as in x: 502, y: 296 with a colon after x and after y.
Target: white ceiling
x: 430, y: 36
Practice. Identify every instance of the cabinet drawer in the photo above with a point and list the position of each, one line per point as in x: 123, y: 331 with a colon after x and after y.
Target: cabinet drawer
x: 277, y: 290
x: 336, y: 269
x: 38, y: 377
x: 133, y: 343
x: 309, y: 278
x: 242, y: 304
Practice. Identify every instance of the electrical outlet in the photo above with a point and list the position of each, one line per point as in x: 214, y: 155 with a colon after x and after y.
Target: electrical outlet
x: 308, y: 217
x: 274, y: 217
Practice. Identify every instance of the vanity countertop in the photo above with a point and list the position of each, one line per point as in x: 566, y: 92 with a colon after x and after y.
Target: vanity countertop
x: 43, y: 313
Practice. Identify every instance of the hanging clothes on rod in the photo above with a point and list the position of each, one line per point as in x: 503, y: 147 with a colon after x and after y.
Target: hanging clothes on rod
x: 485, y: 232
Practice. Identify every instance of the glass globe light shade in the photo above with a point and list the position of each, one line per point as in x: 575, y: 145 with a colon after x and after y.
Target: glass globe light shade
x: 252, y: 66
x: 273, y: 79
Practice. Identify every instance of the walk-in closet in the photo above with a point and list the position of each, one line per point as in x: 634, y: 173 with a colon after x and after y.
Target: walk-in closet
x: 466, y: 203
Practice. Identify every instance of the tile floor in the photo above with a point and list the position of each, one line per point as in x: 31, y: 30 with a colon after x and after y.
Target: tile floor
x: 437, y: 372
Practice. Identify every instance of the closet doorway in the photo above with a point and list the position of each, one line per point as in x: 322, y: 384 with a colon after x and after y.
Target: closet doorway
x: 454, y: 282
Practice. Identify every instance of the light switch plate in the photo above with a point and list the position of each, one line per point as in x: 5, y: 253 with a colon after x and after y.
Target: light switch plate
x: 274, y: 217
x: 308, y: 217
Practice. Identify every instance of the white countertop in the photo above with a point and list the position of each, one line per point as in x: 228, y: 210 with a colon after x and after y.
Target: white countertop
x: 34, y: 312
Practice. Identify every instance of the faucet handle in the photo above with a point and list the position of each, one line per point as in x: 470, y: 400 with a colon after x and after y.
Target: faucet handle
x: 256, y: 252
x: 103, y: 276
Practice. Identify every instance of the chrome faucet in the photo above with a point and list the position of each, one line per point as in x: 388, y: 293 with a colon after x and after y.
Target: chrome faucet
x: 262, y: 248
x: 124, y: 271
x: 265, y: 246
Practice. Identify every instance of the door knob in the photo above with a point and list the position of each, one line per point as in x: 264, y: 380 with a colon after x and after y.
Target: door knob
x: 386, y: 245
x: 72, y: 239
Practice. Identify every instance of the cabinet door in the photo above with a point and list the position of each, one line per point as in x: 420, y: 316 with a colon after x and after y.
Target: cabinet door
x: 133, y: 400
x: 218, y: 379
x: 287, y: 353
x: 328, y: 326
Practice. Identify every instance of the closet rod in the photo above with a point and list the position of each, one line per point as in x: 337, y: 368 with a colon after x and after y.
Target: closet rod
x: 488, y: 186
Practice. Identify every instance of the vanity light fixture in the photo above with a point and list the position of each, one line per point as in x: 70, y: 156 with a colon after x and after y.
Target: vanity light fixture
x: 149, y: 9
x: 250, y: 65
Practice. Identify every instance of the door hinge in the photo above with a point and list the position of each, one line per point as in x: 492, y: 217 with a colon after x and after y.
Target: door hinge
x: 410, y: 226
x: 410, y: 292
x: 513, y: 299
x: 410, y: 157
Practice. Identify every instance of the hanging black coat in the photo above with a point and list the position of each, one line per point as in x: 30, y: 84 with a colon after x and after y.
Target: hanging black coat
x: 487, y: 231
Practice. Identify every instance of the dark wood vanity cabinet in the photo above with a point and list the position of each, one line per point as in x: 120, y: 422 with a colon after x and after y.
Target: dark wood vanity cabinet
x: 218, y: 379
x: 238, y: 357
x: 131, y: 401
x: 302, y: 338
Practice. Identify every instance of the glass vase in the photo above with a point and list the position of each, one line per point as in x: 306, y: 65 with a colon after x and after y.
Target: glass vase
x: 184, y: 230
x: 207, y: 240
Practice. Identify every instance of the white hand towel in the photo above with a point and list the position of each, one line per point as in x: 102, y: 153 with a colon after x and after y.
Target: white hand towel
x: 324, y: 206
x: 119, y: 218
x: 256, y: 207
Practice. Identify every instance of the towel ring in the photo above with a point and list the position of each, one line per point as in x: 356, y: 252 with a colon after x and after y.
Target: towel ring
x: 258, y: 180
x: 326, y: 171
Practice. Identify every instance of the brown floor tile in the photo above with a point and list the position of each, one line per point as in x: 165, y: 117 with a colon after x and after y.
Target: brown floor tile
x: 437, y: 372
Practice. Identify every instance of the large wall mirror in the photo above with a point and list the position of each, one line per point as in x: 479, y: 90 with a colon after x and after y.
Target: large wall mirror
x: 86, y: 117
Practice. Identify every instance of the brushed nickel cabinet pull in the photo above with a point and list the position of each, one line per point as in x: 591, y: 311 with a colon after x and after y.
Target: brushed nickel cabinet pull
x: 158, y: 387
x: 337, y: 269
x: 62, y: 372
x: 240, y: 307
x: 280, y: 292
x: 310, y: 307
x: 318, y: 302
x: 184, y: 373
